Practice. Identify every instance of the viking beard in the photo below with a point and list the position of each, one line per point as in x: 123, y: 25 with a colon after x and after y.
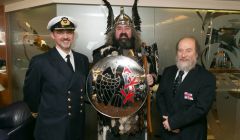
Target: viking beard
x: 124, y: 42
x: 187, y: 64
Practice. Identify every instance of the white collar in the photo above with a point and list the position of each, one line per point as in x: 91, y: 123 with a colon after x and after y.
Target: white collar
x: 184, y: 75
x: 63, y: 54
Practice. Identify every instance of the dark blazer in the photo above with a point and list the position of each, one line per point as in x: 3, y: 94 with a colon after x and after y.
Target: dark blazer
x: 56, y: 93
x: 188, y: 108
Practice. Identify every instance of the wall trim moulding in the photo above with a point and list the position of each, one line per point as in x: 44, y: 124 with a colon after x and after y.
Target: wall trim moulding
x: 200, y: 4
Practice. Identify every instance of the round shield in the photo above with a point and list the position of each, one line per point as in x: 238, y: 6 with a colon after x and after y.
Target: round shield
x: 117, y: 86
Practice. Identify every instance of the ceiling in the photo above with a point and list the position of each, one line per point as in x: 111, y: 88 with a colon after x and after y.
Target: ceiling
x: 4, y: 2
x: 226, y: 4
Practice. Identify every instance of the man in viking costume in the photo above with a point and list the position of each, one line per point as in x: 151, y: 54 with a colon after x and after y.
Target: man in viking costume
x: 123, y: 38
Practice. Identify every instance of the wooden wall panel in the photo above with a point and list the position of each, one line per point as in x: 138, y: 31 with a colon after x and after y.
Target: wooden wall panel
x: 5, y: 95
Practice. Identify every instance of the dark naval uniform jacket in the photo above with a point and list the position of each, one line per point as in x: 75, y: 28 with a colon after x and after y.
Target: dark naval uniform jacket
x: 188, y: 107
x: 56, y: 93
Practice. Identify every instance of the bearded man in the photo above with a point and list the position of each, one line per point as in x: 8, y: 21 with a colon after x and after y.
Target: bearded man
x: 185, y: 95
x: 123, y: 38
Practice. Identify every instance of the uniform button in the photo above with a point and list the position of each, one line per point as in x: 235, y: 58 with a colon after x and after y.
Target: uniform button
x: 69, y: 92
x: 81, y: 97
x: 81, y: 104
x: 81, y: 89
x: 69, y: 99
x: 69, y: 114
x: 80, y: 111
x: 69, y: 106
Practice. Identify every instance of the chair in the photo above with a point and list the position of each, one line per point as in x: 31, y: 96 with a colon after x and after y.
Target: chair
x: 16, y: 122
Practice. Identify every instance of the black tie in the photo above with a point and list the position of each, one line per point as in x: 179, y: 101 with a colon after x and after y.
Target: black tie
x: 68, y: 62
x: 177, y: 81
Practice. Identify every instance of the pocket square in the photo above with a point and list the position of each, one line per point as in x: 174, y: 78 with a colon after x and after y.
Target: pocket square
x: 188, y: 96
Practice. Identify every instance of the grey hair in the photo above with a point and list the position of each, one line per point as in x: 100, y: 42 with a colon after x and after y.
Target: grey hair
x: 197, y: 45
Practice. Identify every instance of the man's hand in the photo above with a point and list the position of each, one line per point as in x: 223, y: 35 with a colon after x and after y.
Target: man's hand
x: 176, y: 131
x: 165, y: 123
x: 167, y: 126
x: 150, y: 79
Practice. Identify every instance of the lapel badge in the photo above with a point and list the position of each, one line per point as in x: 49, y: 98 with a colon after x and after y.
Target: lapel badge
x: 188, y: 96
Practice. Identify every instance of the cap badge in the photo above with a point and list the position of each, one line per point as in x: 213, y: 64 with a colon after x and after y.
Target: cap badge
x: 65, y: 21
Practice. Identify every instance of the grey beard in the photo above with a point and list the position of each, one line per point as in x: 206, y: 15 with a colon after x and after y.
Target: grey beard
x: 186, y: 66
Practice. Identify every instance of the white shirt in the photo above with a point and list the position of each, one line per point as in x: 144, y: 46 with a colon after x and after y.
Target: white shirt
x: 184, y: 75
x: 63, y: 54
